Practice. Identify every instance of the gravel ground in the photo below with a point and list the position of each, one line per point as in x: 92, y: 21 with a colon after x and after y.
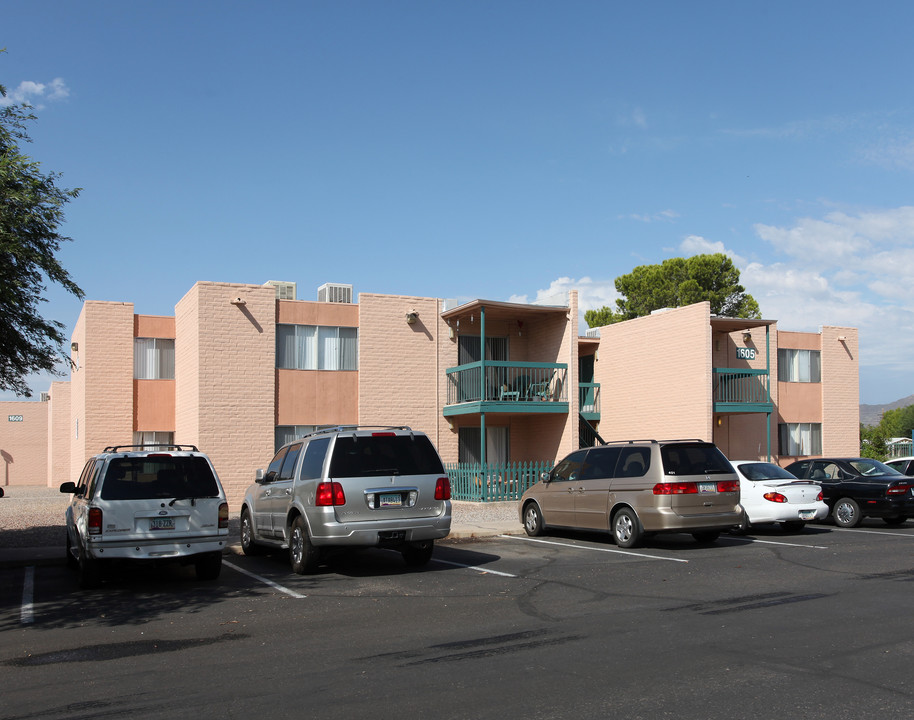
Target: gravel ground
x: 33, y: 516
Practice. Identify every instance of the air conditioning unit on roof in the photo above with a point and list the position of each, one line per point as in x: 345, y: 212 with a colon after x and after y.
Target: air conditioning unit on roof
x: 334, y: 292
x: 284, y: 290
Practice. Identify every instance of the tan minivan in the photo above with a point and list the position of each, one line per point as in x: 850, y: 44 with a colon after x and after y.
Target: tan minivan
x: 636, y: 488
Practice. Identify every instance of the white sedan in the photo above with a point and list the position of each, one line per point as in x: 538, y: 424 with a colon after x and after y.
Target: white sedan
x: 770, y: 494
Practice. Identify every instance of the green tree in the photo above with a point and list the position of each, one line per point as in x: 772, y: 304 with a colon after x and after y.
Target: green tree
x: 31, y: 211
x: 677, y: 282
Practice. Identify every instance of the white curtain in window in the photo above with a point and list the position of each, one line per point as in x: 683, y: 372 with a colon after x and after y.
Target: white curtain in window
x: 328, y: 340
x: 296, y: 347
x: 143, y: 358
x: 349, y: 348
x: 153, y: 359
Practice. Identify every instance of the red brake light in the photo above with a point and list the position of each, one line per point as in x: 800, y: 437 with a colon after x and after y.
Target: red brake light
x: 443, y: 489
x: 223, y: 516
x: 95, y: 521
x: 820, y: 497
x: 676, y: 488
x: 775, y: 497
x: 898, y: 490
x: 383, y: 434
x: 330, y: 493
x: 728, y: 486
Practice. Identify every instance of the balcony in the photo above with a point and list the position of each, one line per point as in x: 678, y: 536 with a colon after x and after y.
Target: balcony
x: 589, y: 400
x: 516, y: 387
x: 741, y: 390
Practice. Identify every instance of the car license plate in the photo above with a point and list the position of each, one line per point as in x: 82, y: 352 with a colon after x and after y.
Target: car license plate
x: 165, y: 523
x: 807, y: 514
x: 390, y: 500
x: 707, y: 487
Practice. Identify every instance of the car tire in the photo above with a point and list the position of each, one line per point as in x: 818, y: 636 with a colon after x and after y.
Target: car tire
x: 303, y: 556
x: 743, y: 526
x: 417, y: 554
x: 208, y: 566
x: 626, y: 528
x: 793, y: 525
x: 248, y: 546
x: 897, y: 520
x: 846, y: 513
x: 88, y: 571
x: 533, y: 520
x: 706, y: 536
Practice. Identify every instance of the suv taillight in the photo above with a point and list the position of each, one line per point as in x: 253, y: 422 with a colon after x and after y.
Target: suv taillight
x: 442, y: 489
x: 728, y: 486
x: 95, y: 521
x: 330, y: 493
x: 223, y: 516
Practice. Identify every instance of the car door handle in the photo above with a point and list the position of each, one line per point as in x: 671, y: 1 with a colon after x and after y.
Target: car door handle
x: 288, y: 491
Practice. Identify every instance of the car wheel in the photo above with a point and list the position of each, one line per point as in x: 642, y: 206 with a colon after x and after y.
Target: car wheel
x: 72, y: 561
x: 88, y: 571
x: 533, y: 520
x: 417, y: 554
x: 846, y: 513
x: 248, y: 546
x: 302, y: 554
x: 743, y: 526
x: 793, y: 525
x: 208, y: 566
x: 897, y: 520
x: 627, y: 530
x: 706, y: 536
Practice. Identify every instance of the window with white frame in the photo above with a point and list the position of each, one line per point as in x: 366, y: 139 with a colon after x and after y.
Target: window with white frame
x: 317, y: 347
x: 153, y: 359
x: 153, y: 439
x: 797, y: 439
x: 799, y: 366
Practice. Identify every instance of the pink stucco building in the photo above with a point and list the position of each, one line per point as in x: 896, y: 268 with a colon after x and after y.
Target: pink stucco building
x: 503, y: 389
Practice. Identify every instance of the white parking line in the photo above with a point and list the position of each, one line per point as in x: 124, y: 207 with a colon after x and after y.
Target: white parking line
x: 265, y: 581
x: 595, y: 549
x: 27, y: 613
x: 878, y: 532
x: 775, y: 542
x: 475, y: 567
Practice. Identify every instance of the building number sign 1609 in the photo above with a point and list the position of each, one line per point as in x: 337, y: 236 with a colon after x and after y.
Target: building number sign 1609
x: 744, y: 353
x: 15, y: 418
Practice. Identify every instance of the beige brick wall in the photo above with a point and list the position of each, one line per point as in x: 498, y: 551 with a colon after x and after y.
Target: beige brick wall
x: 840, y: 391
x: 655, y: 375
x: 23, y: 443
x: 399, y: 364
x: 59, y: 415
x: 225, y: 362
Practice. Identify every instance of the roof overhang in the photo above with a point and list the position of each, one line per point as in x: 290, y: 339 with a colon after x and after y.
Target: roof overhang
x: 731, y: 324
x: 496, y: 310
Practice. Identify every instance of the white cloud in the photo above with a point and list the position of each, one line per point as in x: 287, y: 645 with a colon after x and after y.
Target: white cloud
x: 662, y: 216
x: 33, y: 93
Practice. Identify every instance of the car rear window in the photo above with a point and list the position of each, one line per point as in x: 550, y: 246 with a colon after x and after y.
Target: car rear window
x: 164, y: 476
x: 694, y: 459
x: 378, y: 455
x: 765, y: 471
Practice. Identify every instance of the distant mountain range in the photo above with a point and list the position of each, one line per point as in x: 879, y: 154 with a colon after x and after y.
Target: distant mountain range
x: 872, y: 414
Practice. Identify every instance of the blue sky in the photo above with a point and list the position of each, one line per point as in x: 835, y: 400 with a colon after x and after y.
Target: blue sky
x: 503, y: 150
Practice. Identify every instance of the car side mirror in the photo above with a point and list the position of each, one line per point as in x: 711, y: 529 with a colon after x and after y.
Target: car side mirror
x: 258, y: 475
x: 546, y: 477
x: 68, y: 487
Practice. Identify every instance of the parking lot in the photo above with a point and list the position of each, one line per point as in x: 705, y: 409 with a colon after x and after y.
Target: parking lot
x: 813, y: 624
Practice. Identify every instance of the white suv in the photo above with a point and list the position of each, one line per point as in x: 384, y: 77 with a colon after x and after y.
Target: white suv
x: 142, y: 503
x: 378, y: 487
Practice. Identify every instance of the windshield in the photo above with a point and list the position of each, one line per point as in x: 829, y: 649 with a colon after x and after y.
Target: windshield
x: 865, y: 466
x: 765, y: 471
x: 159, y: 476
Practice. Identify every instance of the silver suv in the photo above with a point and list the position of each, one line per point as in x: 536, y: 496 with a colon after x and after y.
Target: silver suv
x: 368, y: 487
x: 134, y: 502
x: 635, y: 488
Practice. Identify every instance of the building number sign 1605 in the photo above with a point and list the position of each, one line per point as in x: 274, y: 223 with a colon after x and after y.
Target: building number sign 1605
x: 744, y: 353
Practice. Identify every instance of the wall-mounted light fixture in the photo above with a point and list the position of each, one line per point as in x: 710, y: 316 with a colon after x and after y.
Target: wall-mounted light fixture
x: 720, y: 421
x: 411, y: 317
x: 238, y: 301
x: 842, y: 338
x: 74, y: 347
x: 747, y: 336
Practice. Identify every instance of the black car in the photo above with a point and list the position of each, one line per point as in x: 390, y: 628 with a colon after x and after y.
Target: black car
x: 854, y: 488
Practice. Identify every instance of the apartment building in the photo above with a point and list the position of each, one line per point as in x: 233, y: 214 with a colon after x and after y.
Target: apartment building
x: 503, y: 389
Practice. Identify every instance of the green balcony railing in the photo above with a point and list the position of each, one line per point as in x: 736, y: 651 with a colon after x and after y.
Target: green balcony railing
x: 493, y: 482
x: 589, y: 400
x: 741, y: 389
x: 512, y: 382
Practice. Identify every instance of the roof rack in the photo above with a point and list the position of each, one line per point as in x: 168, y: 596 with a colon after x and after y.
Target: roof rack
x: 355, y: 428
x: 150, y: 446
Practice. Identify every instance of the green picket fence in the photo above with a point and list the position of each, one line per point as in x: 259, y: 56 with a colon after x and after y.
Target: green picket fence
x: 493, y: 482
